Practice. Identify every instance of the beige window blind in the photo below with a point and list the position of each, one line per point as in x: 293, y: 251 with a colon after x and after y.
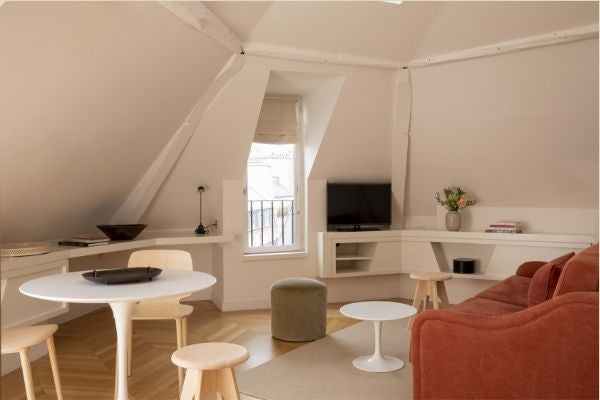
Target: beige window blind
x: 277, y: 122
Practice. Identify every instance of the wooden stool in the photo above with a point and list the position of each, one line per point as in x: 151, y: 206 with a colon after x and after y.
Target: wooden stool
x: 20, y: 340
x: 430, y: 286
x: 209, y: 369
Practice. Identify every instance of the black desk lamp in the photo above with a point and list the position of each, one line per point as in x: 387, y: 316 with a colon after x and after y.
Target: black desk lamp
x: 201, y: 229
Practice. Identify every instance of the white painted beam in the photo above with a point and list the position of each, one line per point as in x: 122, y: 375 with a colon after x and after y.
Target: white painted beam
x: 298, y: 54
x: 310, y: 55
x: 140, y: 197
x: 569, y: 35
x: 400, y: 143
x: 195, y: 14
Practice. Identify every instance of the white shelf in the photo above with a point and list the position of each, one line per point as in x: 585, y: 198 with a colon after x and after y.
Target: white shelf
x: 342, y: 257
x: 488, y: 277
x: 346, y: 272
x: 521, y: 239
x: 345, y: 254
x: 351, y: 272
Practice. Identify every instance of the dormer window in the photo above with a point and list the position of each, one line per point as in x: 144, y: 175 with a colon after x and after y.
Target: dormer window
x: 273, y: 179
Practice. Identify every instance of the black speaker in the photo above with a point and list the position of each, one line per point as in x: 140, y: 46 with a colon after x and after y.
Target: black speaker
x: 463, y: 265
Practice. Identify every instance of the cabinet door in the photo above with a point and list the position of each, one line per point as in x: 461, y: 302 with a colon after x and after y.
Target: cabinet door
x: 18, y: 309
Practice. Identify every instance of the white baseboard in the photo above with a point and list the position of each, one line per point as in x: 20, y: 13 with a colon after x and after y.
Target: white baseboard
x: 75, y: 311
x: 245, y: 305
x: 217, y: 300
x: 200, y: 296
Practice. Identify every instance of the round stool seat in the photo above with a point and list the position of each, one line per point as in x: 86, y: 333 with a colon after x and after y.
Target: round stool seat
x: 431, y: 276
x: 23, y: 337
x: 298, y: 309
x: 299, y: 284
x: 207, y: 356
x: 430, y: 287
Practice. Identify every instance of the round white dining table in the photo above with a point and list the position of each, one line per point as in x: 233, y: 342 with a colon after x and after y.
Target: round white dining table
x: 71, y: 287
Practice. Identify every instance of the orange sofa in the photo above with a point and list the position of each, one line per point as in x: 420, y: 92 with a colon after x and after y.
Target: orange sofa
x: 531, y: 336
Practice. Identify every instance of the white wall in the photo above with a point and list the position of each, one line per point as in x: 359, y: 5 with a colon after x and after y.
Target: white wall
x: 514, y: 130
x: 355, y: 146
x: 358, y: 129
x: 218, y: 150
x: 538, y: 106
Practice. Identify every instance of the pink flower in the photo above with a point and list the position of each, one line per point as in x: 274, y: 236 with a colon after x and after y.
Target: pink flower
x: 462, y: 202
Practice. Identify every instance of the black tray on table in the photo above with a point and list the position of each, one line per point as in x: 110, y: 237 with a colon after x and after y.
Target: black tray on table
x: 122, y: 275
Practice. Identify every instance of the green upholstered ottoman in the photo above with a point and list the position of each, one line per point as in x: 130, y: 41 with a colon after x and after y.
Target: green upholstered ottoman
x: 298, y: 309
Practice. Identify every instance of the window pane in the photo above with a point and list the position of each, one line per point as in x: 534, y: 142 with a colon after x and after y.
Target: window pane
x: 271, y: 190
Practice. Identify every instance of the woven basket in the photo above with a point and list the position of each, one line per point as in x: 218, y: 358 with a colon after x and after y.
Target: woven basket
x: 23, y: 249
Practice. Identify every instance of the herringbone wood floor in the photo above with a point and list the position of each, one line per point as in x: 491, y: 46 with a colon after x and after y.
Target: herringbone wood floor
x: 86, y: 352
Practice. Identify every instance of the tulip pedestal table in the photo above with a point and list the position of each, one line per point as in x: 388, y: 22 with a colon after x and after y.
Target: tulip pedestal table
x: 378, y: 311
x: 73, y: 288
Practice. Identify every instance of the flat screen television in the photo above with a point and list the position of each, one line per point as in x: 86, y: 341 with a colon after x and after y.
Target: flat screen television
x: 359, y: 206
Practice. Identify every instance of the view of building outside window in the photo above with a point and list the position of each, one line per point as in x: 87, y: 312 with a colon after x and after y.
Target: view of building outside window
x: 271, y: 190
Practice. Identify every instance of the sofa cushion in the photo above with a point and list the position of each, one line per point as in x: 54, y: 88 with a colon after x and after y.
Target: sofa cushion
x: 545, y: 279
x: 479, y: 306
x: 528, y: 268
x: 580, y: 274
x: 512, y: 290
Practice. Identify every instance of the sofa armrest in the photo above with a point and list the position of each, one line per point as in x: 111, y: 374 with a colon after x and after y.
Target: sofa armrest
x: 529, y: 268
x: 546, y: 351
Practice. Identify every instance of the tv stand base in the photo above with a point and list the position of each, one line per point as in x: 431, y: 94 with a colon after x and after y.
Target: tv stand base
x: 358, y: 228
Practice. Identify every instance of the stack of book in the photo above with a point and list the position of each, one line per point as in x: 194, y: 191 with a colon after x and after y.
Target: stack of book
x: 85, y: 240
x: 504, y: 227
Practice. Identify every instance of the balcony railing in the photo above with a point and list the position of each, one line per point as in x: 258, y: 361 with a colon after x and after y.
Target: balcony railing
x: 270, y: 223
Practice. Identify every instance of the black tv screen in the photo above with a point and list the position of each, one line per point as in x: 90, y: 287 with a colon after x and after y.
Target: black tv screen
x: 359, y: 204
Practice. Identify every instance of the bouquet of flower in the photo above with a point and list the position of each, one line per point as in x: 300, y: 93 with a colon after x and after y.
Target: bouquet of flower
x: 455, y: 199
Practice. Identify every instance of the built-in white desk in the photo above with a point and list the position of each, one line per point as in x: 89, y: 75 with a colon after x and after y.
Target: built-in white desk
x: 146, y: 239
x: 21, y: 310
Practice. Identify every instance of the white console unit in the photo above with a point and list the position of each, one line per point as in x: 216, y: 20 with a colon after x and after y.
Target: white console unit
x: 497, y: 255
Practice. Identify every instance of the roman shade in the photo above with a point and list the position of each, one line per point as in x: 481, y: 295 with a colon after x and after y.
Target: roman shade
x: 277, y: 123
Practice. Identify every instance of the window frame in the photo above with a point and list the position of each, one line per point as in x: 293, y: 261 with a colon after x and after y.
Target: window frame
x: 299, y: 214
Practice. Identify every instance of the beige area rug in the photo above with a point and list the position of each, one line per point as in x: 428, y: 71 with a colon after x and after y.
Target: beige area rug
x: 323, y: 370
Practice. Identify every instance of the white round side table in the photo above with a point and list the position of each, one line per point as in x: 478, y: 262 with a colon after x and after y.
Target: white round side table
x: 378, y: 311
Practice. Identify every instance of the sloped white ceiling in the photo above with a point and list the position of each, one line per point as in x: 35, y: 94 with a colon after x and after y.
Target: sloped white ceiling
x: 465, y: 24
x: 90, y: 93
x: 373, y: 29
x: 297, y: 83
x: 239, y: 16
x: 401, y: 32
